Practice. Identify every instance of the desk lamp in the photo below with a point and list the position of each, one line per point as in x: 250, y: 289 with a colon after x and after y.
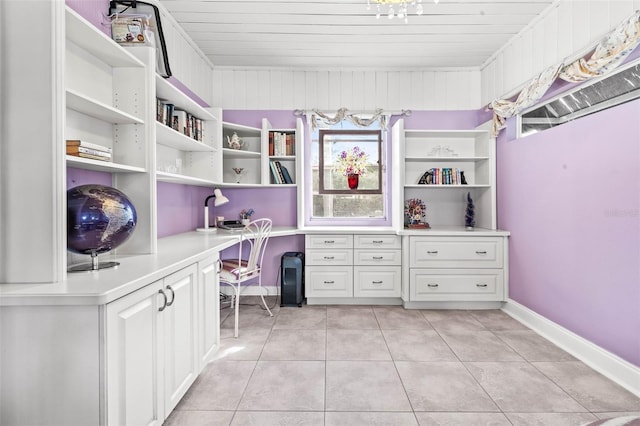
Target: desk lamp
x: 219, y: 200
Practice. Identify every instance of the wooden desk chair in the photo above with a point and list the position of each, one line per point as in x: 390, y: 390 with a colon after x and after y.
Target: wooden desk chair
x: 234, y: 272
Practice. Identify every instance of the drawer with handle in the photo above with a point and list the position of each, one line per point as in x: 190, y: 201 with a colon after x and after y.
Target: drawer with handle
x: 329, y: 257
x: 377, y: 241
x: 324, y: 281
x: 456, y: 252
x: 328, y: 241
x: 377, y: 257
x: 444, y: 284
x: 372, y: 281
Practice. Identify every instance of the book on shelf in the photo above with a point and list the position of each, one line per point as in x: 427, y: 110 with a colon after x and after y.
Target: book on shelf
x: 75, y: 143
x: 90, y: 156
x: 279, y: 170
x: 442, y: 176
x: 76, y: 150
x: 285, y: 174
x: 281, y: 144
x: 274, y: 172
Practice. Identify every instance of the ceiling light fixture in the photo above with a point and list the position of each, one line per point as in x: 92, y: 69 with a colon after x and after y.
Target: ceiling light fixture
x: 401, y: 10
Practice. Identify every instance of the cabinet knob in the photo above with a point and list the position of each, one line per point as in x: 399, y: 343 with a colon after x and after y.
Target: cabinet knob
x: 432, y: 251
x: 482, y: 285
x: 329, y: 282
x: 164, y: 304
x: 432, y: 285
x: 481, y: 252
x: 173, y: 295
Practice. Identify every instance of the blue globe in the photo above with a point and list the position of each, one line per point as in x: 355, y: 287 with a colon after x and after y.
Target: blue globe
x: 99, y: 219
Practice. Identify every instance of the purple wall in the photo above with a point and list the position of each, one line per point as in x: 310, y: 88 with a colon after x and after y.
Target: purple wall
x: 570, y: 196
x: 77, y: 177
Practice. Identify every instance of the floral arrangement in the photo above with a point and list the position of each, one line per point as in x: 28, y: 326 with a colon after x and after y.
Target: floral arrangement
x: 352, y: 162
x: 246, y: 214
x: 415, y: 210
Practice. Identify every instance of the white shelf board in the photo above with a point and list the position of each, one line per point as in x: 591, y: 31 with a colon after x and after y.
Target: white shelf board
x: 240, y: 185
x: 238, y: 153
x: 241, y: 130
x: 91, y: 39
x: 183, y: 179
x: 443, y: 159
x: 101, y: 166
x: 169, y: 93
x: 85, y: 105
x: 167, y: 136
x: 446, y: 186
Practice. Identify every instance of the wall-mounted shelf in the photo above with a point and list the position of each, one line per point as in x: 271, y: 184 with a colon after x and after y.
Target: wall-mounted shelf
x: 101, y: 166
x: 169, y: 137
x: 94, y: 108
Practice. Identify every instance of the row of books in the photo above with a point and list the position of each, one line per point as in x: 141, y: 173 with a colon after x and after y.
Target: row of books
x: 281, y: 143
x: 443, y: 176
x: 280, y: 173
x: 94, y: 151
x: 179, y: 120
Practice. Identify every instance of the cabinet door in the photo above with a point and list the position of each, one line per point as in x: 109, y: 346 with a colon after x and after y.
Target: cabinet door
x: 208, y: 309
x: 133, y: 356
x: 329, y: 281
x: 180, y: 331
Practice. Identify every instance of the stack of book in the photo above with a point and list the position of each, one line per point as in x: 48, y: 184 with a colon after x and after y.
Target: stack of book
x: 79, y: 148
x: 282, y: 144
x: 280, y: 173
x: 442, y: 176
x: 179, y: 120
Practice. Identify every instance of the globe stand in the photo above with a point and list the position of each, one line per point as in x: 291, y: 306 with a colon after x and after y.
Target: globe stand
x: 93, y: 266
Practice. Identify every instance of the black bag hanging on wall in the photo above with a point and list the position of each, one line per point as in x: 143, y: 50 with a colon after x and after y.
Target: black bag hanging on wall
x: 135, y: 7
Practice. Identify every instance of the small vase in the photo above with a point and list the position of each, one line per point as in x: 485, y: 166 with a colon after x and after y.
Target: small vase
x: 352, y: 181
x: 245, y: 222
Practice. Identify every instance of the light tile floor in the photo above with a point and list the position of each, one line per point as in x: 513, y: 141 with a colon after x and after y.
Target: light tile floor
x: 384, y: 365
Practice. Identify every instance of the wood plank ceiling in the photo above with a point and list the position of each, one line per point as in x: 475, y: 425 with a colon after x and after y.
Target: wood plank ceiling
x: 345, y: 34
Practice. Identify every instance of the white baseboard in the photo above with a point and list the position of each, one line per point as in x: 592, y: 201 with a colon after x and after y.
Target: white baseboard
x: 611, y: 366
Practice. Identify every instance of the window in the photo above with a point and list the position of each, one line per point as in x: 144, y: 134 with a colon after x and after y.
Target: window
x: 333, y: 201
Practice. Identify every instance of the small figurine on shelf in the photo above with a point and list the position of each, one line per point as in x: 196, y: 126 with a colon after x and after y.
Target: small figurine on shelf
x: 245, y: 216
x: 415, y: 211
x: 470, y: 214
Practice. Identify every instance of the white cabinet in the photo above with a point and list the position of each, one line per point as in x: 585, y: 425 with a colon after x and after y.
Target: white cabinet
x: 457, y: 268
x: 208, y: 309
x: 151, y: 349
x: 263, y: 153
x: 448, y: 154
x: 347, y: 266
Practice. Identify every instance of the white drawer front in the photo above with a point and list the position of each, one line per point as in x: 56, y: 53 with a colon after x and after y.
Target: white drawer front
x: 377, y: 281
x: 329, y: 241
x: 456, y: 253
x: 443, y: 284
x: 377, y: 257
x: 377, y: 241
x: 329, y: 257
x: 323, y: 281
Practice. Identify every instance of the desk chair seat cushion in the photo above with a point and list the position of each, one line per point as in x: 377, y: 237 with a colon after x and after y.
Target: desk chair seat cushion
x: 232, y: 271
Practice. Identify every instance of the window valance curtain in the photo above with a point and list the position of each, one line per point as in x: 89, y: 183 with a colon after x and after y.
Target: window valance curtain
x: 361, y: 120
x: 607, y: 56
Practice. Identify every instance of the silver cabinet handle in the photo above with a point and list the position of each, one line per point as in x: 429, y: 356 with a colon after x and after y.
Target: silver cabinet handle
x: 481, y: 285
x: 432, y: 251
x: 329, y: 241
x: 329, y: 257
x: 219, y: 266
x: 164, y: 296
x: 329, y: 282
x: 377, y: 257
x: 481, y: 252
x: 377, y: 242
x: 376, y: 282
x: 432, y: 285
x: 173, y: 295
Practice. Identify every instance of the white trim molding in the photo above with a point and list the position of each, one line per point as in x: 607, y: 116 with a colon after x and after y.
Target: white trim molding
x: 612, y: 366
